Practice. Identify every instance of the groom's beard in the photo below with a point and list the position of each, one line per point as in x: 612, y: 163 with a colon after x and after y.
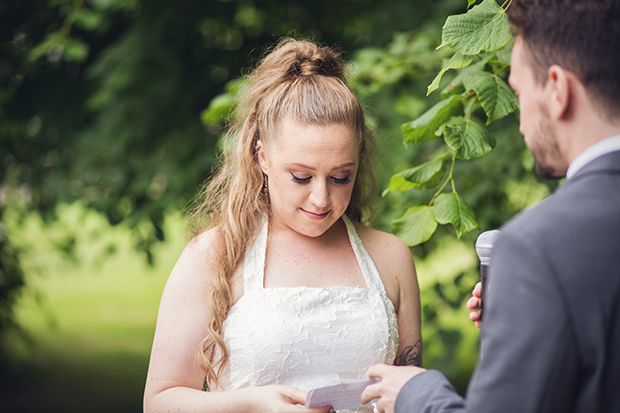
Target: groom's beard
x: 544, y: 147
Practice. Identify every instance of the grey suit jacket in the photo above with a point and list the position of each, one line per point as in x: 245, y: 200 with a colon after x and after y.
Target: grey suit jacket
x: 551, y: 327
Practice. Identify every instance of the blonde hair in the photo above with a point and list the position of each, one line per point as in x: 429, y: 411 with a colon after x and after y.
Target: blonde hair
x: 300, y: 81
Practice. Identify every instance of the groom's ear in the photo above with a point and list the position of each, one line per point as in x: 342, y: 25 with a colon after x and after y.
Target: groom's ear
x: 560, y: 89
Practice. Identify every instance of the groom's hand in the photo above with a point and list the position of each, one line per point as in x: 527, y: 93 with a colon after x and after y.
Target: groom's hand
x: 474, y: 304
x: 393, y: 378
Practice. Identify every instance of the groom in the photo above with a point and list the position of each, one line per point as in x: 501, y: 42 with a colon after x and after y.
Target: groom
x: 551, y: 327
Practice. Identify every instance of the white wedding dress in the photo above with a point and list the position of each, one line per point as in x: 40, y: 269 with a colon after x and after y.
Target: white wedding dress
x: 306, y: 336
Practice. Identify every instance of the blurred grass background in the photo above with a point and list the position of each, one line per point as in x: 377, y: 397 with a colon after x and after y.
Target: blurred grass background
x: 90, y: 317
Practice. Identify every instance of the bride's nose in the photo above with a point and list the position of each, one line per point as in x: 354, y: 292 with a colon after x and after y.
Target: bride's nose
x: 320, y: 195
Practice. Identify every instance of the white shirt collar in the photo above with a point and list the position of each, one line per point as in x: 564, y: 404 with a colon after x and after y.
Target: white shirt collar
x: 593, y: 152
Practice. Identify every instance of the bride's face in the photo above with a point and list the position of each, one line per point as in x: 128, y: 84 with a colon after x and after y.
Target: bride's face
x: 311, y: 171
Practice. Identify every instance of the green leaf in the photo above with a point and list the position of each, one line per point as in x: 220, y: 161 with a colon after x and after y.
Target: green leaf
x: 416, y: 226
x: 456, y: 85
x: 67, y: 48
x: 87, y: 19
x: 504, y: 54
x: 451, y: 208
x: 423, y: 128
x: 496, y: 97
x: 457, y: 61
x: 468, y: 138
x: 427, y: 175
x: 54, y: 39
x: 222, y: 105
x: 484, y: 27
x: 470, y: 3
x: 218, y: 109
x: 75, y: 50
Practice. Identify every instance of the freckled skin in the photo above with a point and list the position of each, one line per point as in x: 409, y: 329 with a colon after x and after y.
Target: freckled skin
x: 311, y: 171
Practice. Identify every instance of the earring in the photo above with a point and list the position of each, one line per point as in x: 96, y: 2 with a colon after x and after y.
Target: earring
x: 265, y: 189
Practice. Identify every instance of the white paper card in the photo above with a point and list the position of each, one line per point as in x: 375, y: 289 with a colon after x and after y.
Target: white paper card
x: 340, y: 396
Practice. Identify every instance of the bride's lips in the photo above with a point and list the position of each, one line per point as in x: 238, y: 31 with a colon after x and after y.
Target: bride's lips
x: 315, y: 216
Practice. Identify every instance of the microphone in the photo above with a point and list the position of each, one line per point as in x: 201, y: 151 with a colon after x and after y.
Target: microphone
x: 484, y: 249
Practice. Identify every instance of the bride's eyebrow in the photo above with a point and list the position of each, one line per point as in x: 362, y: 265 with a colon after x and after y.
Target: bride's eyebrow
x: 345, y: 165
x: 302, y: 165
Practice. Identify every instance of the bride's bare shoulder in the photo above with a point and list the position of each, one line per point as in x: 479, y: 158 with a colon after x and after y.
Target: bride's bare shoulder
x: 391, y: 257
x: 382, y: 246
x: 204, y: 245
x: 196, y: 261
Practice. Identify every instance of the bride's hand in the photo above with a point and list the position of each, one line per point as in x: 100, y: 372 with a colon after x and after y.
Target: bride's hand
x: 282, y: 399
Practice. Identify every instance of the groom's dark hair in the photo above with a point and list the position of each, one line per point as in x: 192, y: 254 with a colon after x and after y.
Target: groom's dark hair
x: 582, y: 36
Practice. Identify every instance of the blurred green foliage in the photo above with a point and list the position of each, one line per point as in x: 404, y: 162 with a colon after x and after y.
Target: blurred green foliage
x: 101, y: 101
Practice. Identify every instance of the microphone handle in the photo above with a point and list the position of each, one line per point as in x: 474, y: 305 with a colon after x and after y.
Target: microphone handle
x: 484, y: 279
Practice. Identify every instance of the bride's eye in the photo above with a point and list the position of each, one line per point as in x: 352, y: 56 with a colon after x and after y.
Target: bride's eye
x: 341, y: 181
x: 300, y: 180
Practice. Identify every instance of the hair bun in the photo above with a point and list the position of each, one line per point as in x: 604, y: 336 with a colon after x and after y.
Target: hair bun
x: 311, y: 67
x: 308, y: 59
x: 295, y: 70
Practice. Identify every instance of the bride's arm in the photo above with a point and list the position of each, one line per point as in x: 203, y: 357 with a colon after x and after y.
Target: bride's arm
x: 174, y: 379
x: 394, y: 262
x: 408, y: 312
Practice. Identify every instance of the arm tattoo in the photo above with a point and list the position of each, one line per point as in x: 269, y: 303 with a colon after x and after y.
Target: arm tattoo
x: 411, y: 356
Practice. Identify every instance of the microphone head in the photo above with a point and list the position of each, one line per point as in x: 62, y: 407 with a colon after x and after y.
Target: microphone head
x: 484, y: 245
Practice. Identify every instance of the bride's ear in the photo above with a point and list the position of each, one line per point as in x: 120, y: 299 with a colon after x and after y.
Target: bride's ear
x: 261, y: 155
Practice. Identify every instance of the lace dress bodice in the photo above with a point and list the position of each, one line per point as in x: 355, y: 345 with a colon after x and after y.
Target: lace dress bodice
x: 306, y: 336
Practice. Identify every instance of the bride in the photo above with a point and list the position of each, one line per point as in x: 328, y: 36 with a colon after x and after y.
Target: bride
x: 283, y: 289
